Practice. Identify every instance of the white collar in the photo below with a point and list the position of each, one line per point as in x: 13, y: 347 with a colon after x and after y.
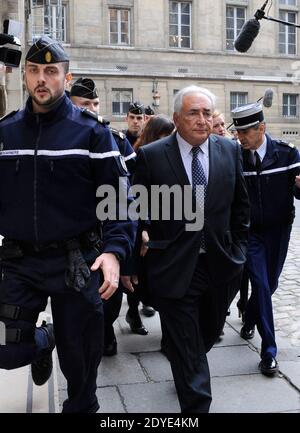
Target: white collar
x: 262, y: 149
x: 186, y: 147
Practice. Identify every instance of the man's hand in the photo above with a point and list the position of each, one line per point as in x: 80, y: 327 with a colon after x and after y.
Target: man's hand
x: 128, y: 280
x: 297, y: 181
x: 110, y: 267
x: 144, y: 247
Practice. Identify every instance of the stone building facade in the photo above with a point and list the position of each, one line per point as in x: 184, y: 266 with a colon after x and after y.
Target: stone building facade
x: 146, y: 50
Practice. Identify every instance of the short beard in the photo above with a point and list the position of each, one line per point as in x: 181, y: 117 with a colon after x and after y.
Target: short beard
x: 48, y: 103
x: 135, y: 133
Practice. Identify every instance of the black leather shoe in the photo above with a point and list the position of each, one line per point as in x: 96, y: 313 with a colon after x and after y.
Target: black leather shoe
x: 136, y: 324
x: 247, y: 334
x: 41, y: 368
x: 148, y: 311
x: 268, y: 366
x: 110, y: 349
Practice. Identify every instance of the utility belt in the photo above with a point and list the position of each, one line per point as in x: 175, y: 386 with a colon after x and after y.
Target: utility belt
x: 77, y: 275
x: 12, y: 249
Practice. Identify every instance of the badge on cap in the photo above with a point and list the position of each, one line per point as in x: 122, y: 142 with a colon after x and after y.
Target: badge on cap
x: 48, y: 57
x: 46, y: 50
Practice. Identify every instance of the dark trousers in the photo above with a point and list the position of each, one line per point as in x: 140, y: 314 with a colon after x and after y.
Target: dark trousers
x: 133, y: 301
x: 266, y: 255
x: 77, y: 318
x: 111, y: 309
x: 190, y: 325
x: 244, y: 291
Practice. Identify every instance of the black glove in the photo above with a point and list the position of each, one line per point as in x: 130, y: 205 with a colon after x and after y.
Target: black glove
x: 78, y: 274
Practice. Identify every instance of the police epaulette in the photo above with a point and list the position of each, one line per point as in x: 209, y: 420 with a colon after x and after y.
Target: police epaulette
x: 95, y: 116
x: 117, y: 133
x: 8, y: 115
x: 285, y: 143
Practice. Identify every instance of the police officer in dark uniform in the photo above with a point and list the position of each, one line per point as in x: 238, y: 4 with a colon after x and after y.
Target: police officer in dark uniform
x: 149, y: 112
x: 53, y: 158
x: 135, y: 120
x: 271, y: 169
x: 84, y: 94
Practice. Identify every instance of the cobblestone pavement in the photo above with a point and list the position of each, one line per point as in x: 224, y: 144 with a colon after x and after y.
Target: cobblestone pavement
x: 286, y: 299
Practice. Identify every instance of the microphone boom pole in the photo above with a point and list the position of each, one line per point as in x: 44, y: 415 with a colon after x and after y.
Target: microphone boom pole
x: 260, y: 14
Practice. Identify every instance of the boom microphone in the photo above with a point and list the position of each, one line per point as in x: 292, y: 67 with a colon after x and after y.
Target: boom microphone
x: 247, y: 35
x: 250, y: 30
x: 268, y: 98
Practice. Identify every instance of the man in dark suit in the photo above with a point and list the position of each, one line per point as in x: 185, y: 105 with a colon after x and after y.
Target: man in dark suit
x: 192, y: 273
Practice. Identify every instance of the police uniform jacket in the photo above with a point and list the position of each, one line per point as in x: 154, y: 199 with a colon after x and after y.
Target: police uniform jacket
x: 125, y: 148
x: 272, y: 190
x: 50, y: 168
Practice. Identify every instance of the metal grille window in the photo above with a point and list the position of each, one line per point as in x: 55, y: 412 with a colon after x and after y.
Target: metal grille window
x: 235, y: 19
x: 180, y: 24
x: 290, y: 105
x: 287, y: 34
x: 49, y: 17
x: 119, y: 33
x: 237, y: 99
x: 121, y: 99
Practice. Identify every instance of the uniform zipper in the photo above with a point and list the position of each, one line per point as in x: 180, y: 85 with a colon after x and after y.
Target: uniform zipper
x: 35, y: 218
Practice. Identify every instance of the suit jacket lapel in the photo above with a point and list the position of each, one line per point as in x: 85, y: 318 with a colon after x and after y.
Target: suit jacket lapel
x: 174, y: 157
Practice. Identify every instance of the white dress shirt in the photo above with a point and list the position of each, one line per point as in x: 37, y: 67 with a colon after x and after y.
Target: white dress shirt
x: 187, y: 157
x: 262, y: 150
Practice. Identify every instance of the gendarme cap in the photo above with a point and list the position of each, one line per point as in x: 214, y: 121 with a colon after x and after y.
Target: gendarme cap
x: 85, y: 88
x: 136, y: 108
x: 149, y: 111
x: 247, y: 116
x: 45, y: 50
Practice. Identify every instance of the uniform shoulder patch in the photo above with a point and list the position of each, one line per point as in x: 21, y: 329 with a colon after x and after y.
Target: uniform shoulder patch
x: 95, y: 116
x: 118, y: 133
x: 8, y: 115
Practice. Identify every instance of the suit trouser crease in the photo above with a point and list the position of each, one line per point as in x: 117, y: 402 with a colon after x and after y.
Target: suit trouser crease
x: 182, y: 329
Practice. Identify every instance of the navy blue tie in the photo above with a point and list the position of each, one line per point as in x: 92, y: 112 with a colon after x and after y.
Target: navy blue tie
x: 198, y: 178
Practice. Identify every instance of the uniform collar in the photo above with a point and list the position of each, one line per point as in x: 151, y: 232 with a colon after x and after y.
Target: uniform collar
x: 57, y: 111
x: 262, y: 149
